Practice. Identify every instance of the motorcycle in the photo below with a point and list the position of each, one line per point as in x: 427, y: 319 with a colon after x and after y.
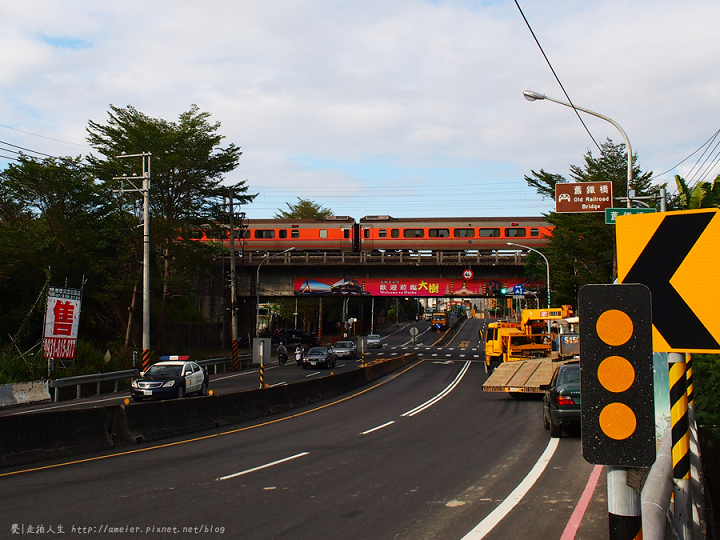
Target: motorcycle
x: 282, y: 358
x: 299, y: 357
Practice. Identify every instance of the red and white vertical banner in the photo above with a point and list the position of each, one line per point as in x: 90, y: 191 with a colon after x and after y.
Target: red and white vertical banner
x: 61, y: 322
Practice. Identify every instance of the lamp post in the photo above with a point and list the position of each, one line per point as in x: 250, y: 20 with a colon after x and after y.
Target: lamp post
x: 257, y: 287
x: 532, y: 96
x: 547, y: 280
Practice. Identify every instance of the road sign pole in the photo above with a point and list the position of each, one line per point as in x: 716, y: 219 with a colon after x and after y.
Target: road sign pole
x: 624, y: 506
x: 680, y: 442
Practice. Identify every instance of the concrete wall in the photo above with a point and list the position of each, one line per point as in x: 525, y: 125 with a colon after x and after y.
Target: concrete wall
x: 27, y: 392
x: 38, y: 436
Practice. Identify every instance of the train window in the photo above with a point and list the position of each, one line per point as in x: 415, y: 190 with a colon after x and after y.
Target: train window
x: 464, y: 233
x: 534, y: 231
x: 295, y: 233
x: 283, y: 233
x: 438, y: 233
x: 395, y: 233
x: 215, y: 234
x: 346, y: 233
x: 195, y: 234
x: 264, y: 233
x: 515, y: 232
x: 488, y: 233
x: 413, y: 233
x: 323, y: 233
x: 382, y: 233
x: 366, y: 233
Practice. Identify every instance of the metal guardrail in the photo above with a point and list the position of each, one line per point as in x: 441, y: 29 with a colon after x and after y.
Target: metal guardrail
x: 222, y: 361
x: 97, y: 378
x: 117, y: 376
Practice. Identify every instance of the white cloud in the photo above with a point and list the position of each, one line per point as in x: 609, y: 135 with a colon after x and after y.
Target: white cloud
x: 339, y: 101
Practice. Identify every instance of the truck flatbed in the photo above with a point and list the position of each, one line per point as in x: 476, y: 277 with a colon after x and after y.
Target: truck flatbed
x: 527, y: 376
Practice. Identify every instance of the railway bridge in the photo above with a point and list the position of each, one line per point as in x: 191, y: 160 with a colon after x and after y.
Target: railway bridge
x: 467, y: 276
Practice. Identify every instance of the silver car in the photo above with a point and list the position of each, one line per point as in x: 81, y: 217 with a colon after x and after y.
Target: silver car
x: 373, y: 340
x: 345, y: 349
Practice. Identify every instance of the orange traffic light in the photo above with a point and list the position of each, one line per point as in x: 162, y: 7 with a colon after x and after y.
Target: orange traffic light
x: 616, y: 375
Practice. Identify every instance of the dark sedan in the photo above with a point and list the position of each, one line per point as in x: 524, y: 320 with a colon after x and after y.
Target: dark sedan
x: 171, y: 379
x: 561, y: 403
x: 320, y: 356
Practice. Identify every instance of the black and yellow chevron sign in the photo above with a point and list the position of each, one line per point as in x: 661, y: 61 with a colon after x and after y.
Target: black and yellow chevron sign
x: 677, y: 256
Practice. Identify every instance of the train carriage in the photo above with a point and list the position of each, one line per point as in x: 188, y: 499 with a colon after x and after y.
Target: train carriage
x: 334, y: 233
x: 451, y: 234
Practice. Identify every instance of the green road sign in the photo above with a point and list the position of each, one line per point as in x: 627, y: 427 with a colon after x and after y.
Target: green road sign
x: 611, y: 214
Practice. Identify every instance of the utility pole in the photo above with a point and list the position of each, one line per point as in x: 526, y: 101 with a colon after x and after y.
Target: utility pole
x: 233, y: 291
x: 145, y: 191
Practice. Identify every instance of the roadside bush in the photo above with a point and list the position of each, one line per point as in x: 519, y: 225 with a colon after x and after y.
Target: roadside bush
x: 706, y: 383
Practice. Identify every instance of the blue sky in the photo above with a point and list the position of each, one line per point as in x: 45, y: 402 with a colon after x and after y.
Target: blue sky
x: 406, y: 108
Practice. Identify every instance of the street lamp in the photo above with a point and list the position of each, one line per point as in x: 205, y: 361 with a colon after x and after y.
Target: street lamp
x: 532, y: 96
x: 547, y: 265
x: 257, y: 286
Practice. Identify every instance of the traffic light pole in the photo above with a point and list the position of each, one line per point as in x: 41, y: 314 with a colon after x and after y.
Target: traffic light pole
x: 624, y: 505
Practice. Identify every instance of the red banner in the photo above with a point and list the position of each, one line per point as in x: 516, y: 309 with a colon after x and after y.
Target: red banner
x: 422, y: 287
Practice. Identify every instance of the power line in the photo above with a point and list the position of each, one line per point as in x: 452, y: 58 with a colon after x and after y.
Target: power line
x: 556, y: 77
x: 43, y: 136
x: 691, y: 155
x: 25, y: 149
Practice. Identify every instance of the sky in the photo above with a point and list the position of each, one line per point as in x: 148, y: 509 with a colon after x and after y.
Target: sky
x: 406, y: 108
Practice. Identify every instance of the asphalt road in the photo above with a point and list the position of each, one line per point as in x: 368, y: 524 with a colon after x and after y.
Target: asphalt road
x: 422, y: 453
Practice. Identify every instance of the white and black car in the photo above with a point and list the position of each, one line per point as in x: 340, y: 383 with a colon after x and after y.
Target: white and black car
x: 172, y: 378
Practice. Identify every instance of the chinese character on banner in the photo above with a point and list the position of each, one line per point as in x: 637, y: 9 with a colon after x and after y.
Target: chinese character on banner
x: 61, y: 322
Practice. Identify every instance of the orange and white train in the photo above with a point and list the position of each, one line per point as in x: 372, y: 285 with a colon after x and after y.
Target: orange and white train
x: 343, y: 233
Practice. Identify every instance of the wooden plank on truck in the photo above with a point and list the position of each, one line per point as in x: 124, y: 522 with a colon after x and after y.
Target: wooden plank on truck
x: 529, y: 376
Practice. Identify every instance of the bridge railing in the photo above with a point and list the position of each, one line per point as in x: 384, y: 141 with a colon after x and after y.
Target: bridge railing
x: 430, y: 258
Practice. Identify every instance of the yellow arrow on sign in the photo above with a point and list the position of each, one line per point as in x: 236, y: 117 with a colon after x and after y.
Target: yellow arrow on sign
x: 677, y: 256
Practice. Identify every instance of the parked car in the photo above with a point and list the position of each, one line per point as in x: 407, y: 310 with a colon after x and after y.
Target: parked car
x: 293, y: 337
x: 373, y: 340
x: 561, y: 403
x: 317, y: 356
x: 172, y: 378
x: 345, y: 349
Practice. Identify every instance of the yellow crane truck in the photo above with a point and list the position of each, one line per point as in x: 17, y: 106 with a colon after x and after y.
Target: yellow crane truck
x: 519, y: 355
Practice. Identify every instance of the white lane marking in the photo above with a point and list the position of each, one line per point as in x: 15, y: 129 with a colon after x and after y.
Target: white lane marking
x: 441, y: 395
x: 312, y: 374
x: 497, y: 515
x: 386, y: 424
x: 278, y: 384
x: 254, y: 469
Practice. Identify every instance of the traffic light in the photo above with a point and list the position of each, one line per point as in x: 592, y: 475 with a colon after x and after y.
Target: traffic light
x: 616, y: 375
x: 503, y: 290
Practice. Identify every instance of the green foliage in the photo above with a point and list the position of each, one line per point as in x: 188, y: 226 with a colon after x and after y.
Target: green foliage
x: 62, y: 224
x: 303, y: 209
x: 706, y: 383
x: 582, y: 249
x: 704, y: 195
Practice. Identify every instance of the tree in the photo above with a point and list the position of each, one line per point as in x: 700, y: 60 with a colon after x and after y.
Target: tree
x: 303, y: 209
x: 703, y: 195
x: 582, y: 249
x: 187, y: 168
x: 53, y: 217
